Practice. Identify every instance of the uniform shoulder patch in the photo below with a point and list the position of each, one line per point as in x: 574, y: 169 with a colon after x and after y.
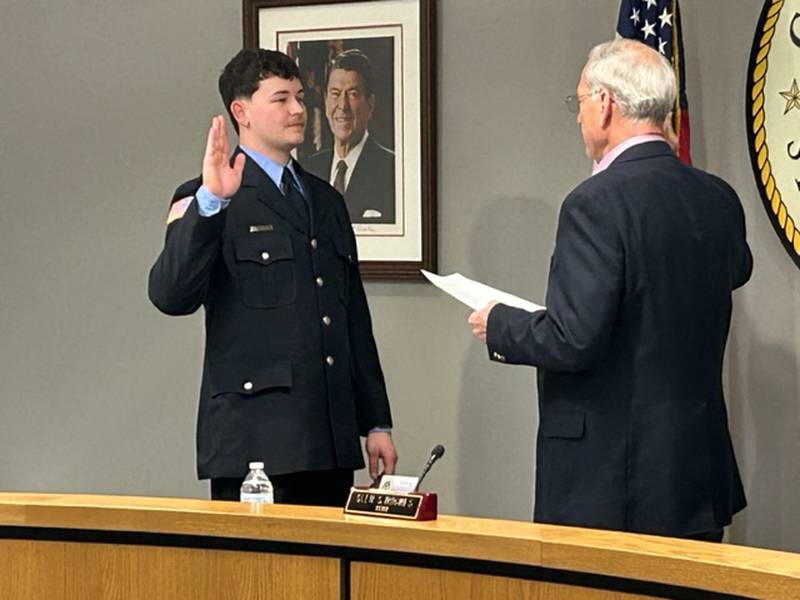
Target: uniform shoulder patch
x: 178, y: 209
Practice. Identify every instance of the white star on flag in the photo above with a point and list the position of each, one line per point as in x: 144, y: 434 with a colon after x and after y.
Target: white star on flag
x: 657, y: 23
x: 648, y: 29
x: 666, y: 18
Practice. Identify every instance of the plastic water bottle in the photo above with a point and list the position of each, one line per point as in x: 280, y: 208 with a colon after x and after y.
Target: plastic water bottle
x: 256, y: 487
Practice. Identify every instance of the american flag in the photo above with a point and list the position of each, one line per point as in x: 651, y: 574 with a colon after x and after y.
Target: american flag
x: 657, y: 23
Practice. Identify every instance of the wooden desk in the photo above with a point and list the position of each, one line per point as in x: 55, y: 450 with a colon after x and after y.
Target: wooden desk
x: 99, y: 547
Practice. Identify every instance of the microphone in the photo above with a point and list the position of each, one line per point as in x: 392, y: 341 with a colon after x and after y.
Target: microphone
x: 436, y: 454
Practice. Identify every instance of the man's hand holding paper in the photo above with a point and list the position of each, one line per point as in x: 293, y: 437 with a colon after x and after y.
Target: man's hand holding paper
x: 480, y: 320
x: 479, y: 297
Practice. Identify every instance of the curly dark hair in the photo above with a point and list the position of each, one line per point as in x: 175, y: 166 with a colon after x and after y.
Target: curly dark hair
x: 244, y: 72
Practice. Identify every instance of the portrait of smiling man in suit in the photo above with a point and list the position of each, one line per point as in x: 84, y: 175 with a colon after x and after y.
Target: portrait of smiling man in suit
x: 356, y: 165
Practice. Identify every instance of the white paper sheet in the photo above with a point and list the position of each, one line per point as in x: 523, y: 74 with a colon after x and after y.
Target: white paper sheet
x: 476, y: 295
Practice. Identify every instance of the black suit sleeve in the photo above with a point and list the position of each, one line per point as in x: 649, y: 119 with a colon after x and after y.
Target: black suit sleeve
x: 583, y: 293
x: 372, y: 402
x: 179, y: 277
x: 742, y: 259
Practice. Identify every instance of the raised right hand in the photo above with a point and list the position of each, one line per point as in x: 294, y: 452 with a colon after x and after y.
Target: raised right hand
x: 219, y: 177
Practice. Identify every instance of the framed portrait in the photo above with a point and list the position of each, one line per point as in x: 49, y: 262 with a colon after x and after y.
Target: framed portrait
x: 369, y: 80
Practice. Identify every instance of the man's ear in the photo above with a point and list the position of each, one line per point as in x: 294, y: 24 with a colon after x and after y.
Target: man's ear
x: 371, y: 103
x: 670, y: 135
x: 606, y: 108
x: 241, y: 112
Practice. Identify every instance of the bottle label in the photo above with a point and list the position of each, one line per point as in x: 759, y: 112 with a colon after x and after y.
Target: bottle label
x: 257, y: 498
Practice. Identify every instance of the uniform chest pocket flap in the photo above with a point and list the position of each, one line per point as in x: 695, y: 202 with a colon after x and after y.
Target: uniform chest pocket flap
x: 265, y: 269
x: 564, y: 424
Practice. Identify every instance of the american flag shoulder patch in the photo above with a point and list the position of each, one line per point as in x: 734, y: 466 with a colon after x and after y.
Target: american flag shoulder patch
x: 178, y: 209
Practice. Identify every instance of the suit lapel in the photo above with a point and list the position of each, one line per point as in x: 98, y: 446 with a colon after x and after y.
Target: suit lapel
x: 364, y: 169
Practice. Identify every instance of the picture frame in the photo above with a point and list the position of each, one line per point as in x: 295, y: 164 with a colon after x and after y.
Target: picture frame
x: 367, y: 66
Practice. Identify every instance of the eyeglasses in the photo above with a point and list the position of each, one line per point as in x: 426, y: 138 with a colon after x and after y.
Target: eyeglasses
x: 573, y: 101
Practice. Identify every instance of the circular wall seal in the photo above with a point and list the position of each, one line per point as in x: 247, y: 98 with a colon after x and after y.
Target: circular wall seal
x: 773, y: 117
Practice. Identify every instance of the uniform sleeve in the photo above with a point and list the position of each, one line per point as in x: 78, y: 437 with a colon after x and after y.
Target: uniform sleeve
x: 179, y: 277
x: 583, y: 294
x: 372, y: 401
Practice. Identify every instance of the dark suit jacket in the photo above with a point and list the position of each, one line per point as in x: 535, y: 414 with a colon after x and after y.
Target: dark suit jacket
x: 371, y: 186
x: 633, y: 430
x: 279, y: 301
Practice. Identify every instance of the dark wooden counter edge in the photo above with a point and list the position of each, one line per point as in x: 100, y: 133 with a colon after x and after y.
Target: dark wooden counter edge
x: 347, y: 555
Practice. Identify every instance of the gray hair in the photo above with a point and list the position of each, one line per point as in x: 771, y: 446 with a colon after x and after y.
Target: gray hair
x: 640, y: 79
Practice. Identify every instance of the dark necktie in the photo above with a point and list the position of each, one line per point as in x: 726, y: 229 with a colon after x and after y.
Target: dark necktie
x: 293, y: 195
x: 338, y: 181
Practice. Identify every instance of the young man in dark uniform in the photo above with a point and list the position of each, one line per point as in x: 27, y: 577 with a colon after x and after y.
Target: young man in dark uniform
x: 291, y: 374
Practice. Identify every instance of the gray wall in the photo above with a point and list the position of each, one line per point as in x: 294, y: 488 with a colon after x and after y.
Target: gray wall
x: 103, y: 110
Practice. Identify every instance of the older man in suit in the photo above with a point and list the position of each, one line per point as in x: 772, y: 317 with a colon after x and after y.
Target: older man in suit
x: 356, y: 165
x: 291, y: 375
x: 633, y: 431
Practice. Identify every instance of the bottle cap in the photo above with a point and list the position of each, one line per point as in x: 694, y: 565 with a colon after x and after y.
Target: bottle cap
x: 256, y: 465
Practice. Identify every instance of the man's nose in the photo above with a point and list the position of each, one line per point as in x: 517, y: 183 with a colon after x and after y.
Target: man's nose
x: 342, y: 103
